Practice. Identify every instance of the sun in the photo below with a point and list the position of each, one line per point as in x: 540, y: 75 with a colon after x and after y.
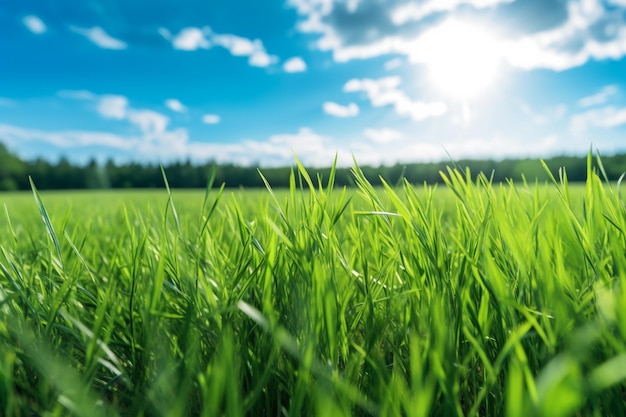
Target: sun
x: 463, y: 59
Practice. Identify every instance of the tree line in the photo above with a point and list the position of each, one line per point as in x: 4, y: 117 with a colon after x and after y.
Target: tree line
x: 63, y: 174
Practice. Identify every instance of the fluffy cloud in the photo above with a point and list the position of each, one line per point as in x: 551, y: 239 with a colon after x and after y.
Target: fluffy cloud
x: 112, y: 107
x: 605, y: 117
x: 393, y: 64
x: 338, y: 110
x: 151, y: 136
x: 211, y: 119
x: 589, y: 29
x: 175, y: 105
x: 66, y: 139
x: 34, y: 24
x: 190, y: 39
x: 384, y: 135
x: 600, y: 97
x: 193, y: 38
x: 418, y: 11
x: 309, y: 146
x: 151, y: 124
x: 261, y: 59
x: 98, y: 36
x: 385, y: 92
x: 237, y: 45
x: 148, y: 121
x: 295, y: 64
x: 312, y: 148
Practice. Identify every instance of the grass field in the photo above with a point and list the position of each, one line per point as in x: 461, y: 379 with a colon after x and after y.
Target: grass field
x: 466, y: 300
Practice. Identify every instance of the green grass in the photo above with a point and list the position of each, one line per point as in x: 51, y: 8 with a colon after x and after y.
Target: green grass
x: 473, y: 299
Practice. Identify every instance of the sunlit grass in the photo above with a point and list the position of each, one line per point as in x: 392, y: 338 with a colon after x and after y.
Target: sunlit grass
x: 472, y: 299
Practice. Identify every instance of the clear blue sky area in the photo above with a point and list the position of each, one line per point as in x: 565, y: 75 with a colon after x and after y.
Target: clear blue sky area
x: 253, y: 81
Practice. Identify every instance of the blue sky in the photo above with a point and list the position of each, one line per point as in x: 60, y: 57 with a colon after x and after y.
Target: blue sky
x: 253, y: 81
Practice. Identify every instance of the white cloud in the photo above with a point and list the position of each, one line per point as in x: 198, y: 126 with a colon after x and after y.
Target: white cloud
x: 545, y: 49
x: 151, y: 137
x: 605, y: 117
x: 175, y: 105
x: 306, y: 144
x: 253, y: 49
x: 193, y: 38
x: 211, y: 119
x: 352, y: 5
x: 112, y: 107
x: 385, y: 92
x: 116, y: 107
x: 98, y: 36
x: 34, y: 24
x: 261, y: 59
x: 383, y: 136
x: 573, y: 43
x: 600, y: 97
x: 66, y: 139
x: 167, y: 145
x: 149, y: 121
x: 189, y: 39
x: 311, y: 148
x: 393, y: 64
x: 237, y: 45
x: 418, y: 11
x: 295, y: 64
x: 305, y: 138
x: 338, y: 110
x: 305, y: 7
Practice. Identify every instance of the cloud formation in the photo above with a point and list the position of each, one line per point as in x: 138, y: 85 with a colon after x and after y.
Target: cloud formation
x: 152, y: 126
x: 393, y: 64
x: 35, y: 24
x: 66, y: 138
x: 188, y: 39
x: 295, y: 64
x: 604, y: 117
x: 175, y: 105
x: 418, y: 11
x: 600, y: 97
x: 194, y: 38
x: 338, y: 110
x: 590, y: 29
x: 211, y: 119
x: 99, y: 37
x: 112, y: 106
x: 384, y: 92
x: 383, y: 136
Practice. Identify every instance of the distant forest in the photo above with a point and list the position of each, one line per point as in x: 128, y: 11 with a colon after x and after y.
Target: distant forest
x: 62, y: 175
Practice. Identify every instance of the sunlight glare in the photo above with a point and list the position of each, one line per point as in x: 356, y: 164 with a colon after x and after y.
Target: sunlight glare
x: 462, y: 58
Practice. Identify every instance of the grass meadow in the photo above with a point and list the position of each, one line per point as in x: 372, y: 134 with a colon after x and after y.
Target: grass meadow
x: 469, y: 299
